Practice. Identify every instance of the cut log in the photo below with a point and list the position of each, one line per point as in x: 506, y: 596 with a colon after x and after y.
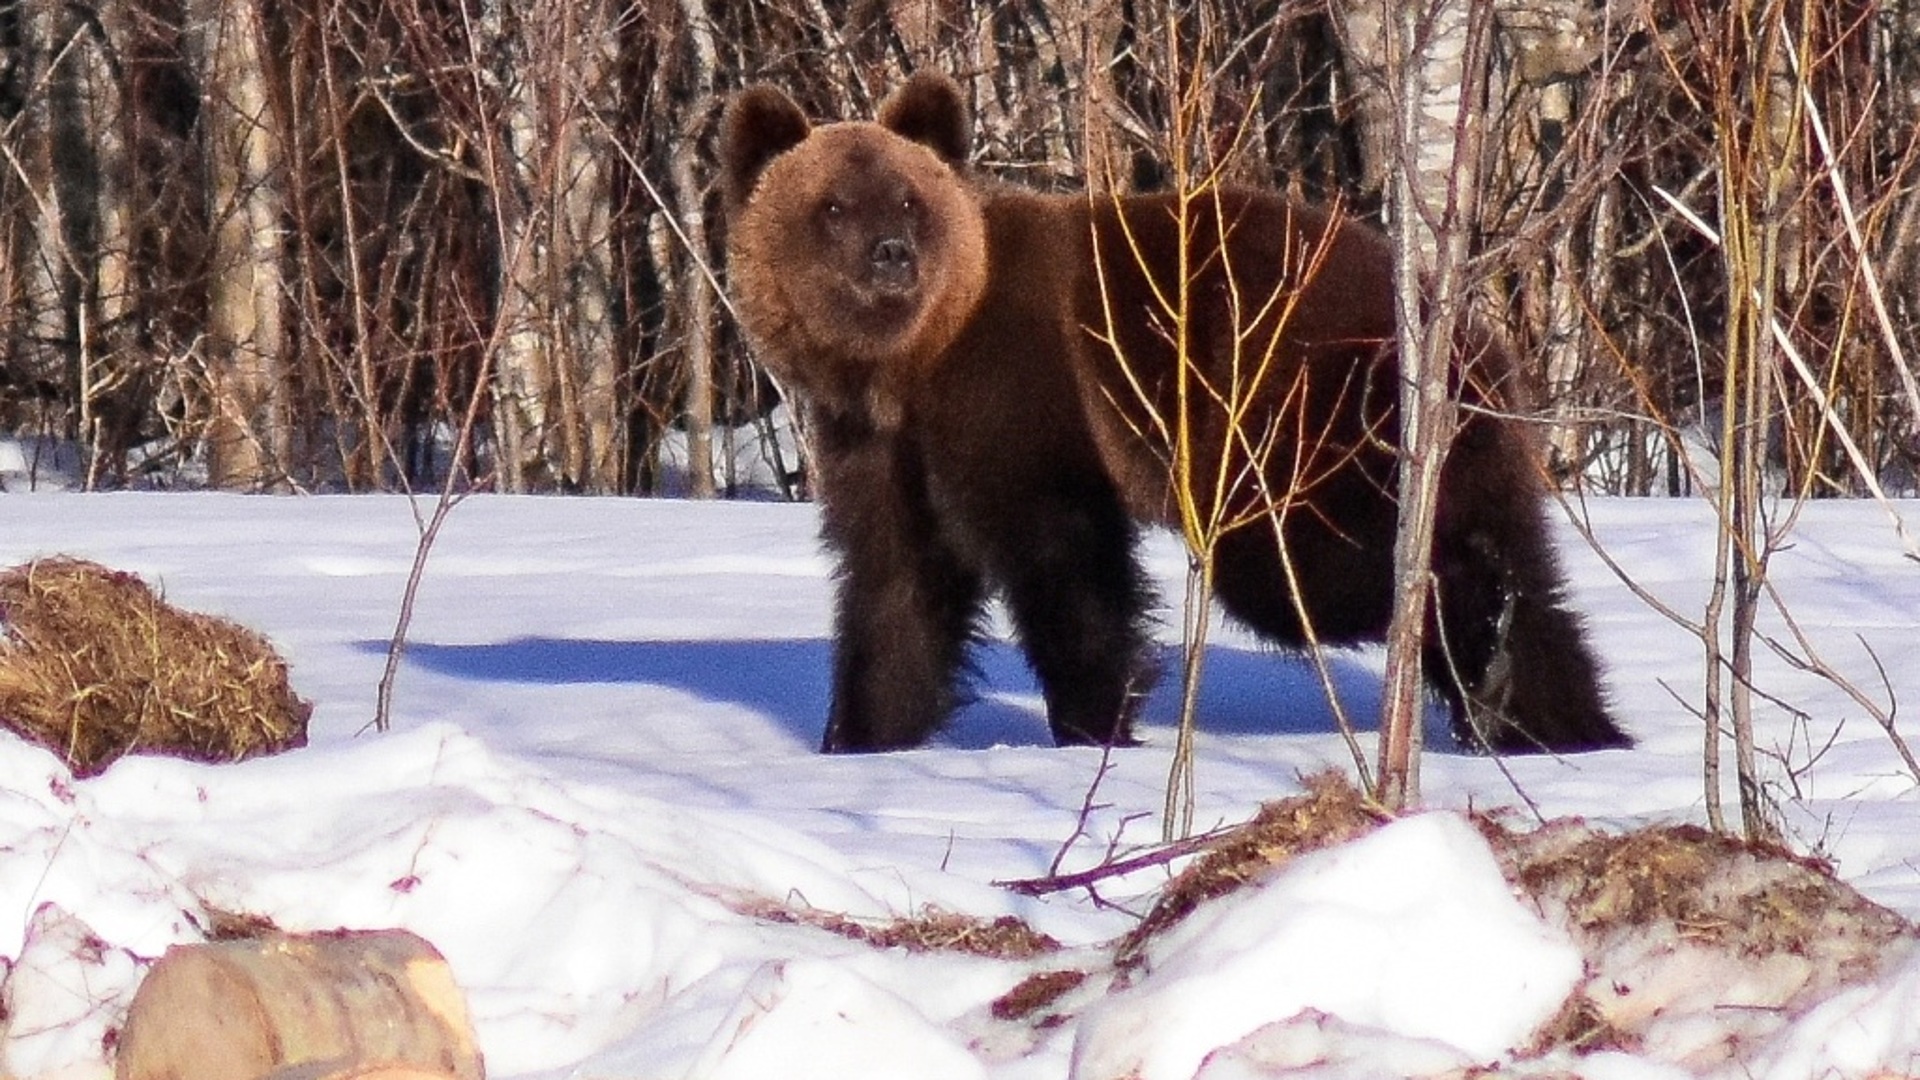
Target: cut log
x: 374, y: 1005
x: 357, y: 1072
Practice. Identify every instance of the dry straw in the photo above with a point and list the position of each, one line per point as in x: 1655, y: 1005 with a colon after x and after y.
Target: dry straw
x: 94, y: 665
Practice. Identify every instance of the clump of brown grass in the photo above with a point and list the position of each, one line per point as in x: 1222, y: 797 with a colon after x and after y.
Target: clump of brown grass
x: 1004, y: 938
x: 1331, y: 811
x: 1034, y: 995
x: 95, y: 665
x: 220, y: 924
x: 1749, y: 898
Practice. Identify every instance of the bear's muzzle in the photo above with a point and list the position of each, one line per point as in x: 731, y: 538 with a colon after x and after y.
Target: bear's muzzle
x: 892, y: 266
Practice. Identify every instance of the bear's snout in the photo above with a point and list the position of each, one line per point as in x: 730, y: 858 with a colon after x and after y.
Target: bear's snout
x: 891, y: 262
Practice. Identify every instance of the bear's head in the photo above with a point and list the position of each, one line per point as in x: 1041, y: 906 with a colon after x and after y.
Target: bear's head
x: 857, y: 250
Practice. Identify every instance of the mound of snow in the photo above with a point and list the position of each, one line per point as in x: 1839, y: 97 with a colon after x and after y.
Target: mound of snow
x: 1411, y: 931
x: 816, y: 1020
x: 1863, y: 1031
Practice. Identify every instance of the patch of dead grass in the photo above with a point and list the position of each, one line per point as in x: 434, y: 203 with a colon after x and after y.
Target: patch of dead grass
x: 1004, y: 938
x: 1750, y: 899
x: 1676, y: 921
x: 1036, y: 993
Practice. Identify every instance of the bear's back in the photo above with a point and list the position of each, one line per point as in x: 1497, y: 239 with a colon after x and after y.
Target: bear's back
x: 1084, y: 294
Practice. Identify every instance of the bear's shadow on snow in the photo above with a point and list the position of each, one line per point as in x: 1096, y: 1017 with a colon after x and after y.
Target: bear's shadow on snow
x: 1244, y: 691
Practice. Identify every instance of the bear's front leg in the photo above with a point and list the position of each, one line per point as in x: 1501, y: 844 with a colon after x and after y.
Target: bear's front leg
x: 908, y: 605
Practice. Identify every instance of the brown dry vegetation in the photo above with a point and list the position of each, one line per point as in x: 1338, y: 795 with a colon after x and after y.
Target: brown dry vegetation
x: 1002, y: 938
x: 1679, y: 918
x: 1035, y: 993
x: 1749, y: 898
x: 95, y: 665
x: 296, y: 246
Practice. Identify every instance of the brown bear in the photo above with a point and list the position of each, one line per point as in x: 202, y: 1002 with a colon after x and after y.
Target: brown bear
x: 994, y: 384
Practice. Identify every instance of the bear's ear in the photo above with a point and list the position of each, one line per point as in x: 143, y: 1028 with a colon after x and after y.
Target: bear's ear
x: 760, y: 124
x: 927, y: 110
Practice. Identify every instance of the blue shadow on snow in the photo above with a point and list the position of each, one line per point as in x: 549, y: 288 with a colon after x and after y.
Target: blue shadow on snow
x: 1243, y: 691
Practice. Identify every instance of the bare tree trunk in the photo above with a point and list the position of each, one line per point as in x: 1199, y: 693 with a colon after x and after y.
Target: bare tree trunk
x: 246, y: 437
x: 1553, y: 45
x: 1422, y: 414
x: 48, y: 267
x: 1565, y: 284
x: 1370, y: 90
x: 114, y: 380
x: 1433, y: 58
x: 596, y: 435
x: 690, y: 206
x: 1109, y: 161
x: 1757, y: 239
x: 1713, y: 707
x: 555, y: 413
x: 523, y: 362
x: 68, y: 251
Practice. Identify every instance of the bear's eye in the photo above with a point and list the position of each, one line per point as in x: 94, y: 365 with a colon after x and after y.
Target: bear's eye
x: 909, y: 203
x: 831, y: 208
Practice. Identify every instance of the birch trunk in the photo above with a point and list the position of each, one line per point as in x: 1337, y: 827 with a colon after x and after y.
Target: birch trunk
x: 595, y: 432
x: 1552, y: 43
x: 46, y: 283
x: 556, y: 413
x: 1412, y: 65
x: 523, y: 378
x: 690, y: 207
x: 1406, y: 81
x: 1563, y: 343
x: 246, y: 438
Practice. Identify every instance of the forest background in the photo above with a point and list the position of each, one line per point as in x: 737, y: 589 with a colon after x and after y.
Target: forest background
x: 343, y: 244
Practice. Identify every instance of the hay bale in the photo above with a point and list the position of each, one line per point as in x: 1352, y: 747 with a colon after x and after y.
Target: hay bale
x: 94, y: 665
x: 346, y: 1005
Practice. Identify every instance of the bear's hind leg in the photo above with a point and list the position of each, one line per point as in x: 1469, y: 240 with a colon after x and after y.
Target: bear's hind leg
x: 1078, y: 598
x: 1511, y: 661
x: 1502, y: 647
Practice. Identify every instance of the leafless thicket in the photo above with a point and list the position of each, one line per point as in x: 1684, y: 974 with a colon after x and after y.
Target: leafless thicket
x: 271, y: 245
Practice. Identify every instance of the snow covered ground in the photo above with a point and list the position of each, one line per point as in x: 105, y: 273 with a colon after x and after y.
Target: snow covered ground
x: 601, y: 780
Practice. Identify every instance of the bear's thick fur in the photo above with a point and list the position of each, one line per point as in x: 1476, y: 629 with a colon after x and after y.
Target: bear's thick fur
x: 990, y: 377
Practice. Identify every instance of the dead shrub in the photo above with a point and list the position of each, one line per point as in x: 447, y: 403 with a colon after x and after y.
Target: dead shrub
x: 94, y: 665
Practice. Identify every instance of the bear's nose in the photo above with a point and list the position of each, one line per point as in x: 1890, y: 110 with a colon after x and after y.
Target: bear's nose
x: 892, y: 259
